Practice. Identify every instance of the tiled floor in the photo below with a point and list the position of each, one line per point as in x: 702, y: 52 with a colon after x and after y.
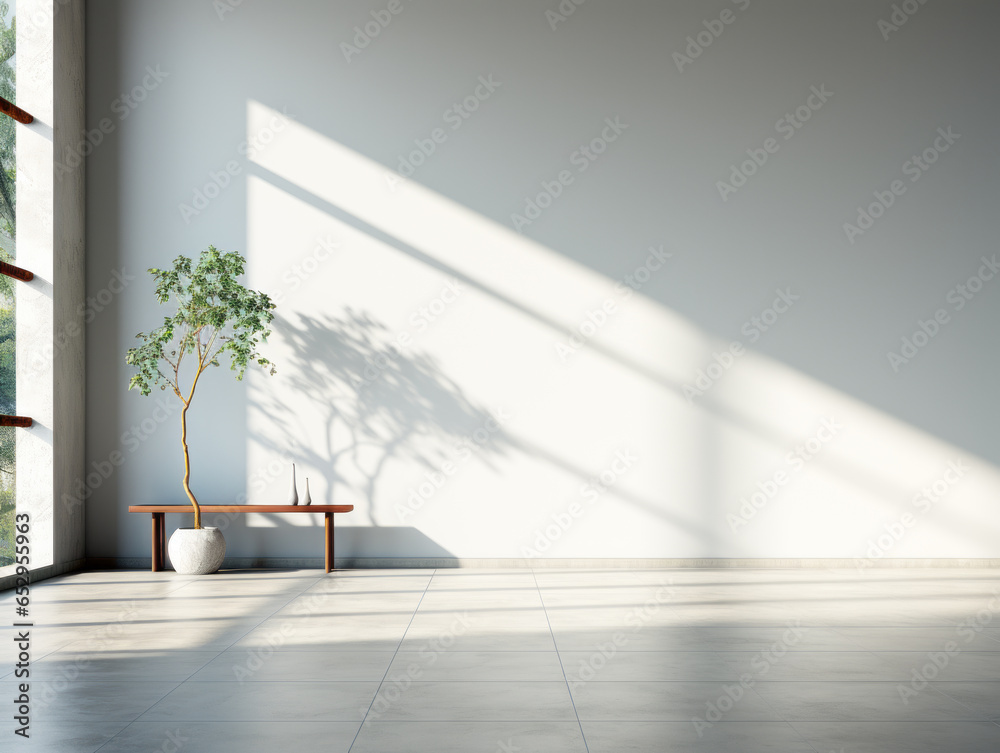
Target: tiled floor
x: 474, y: 661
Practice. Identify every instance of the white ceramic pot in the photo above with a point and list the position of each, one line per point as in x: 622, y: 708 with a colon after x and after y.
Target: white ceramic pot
x: 196, y: 551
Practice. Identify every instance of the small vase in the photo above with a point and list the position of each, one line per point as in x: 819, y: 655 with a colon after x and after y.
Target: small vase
x: 307, y: 500
x: 293, y: 495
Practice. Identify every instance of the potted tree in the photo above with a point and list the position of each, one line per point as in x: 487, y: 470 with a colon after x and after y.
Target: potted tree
x: 215, y: 316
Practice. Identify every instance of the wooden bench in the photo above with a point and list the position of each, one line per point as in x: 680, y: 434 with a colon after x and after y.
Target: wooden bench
x: 159, y: 524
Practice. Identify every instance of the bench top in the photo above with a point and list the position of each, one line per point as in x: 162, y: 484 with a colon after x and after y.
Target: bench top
x: 241, y: 508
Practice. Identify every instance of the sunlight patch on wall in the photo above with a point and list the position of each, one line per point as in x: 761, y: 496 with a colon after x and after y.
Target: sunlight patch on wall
x: 421, y: 378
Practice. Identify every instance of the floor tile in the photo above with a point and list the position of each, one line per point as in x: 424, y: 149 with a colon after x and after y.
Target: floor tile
x: 501, y: 639
x: 912, y: 737
x: 255, y: 665
x: 401, y: 700
x: 374, y: 581
x: 608, y: 664
x: 330, y: 633
x: 823, y: 666
x: 943, y: 666
x: 470, y: 737
x: 688, y: 638
x: 265, y: 701
x: 909, y: 638
x: 667, y: 701
x: 167, y: 666
x: 249, y: 736
x: 64, y: 737
x: 684, y: 737
x: 493, y: 666
x: 324, y: 603
x: 91, y: 701
x: 983, y: 698
x: 158, y: 637
x: 480, y: 630
x: 494, y: 598
x: 474, y: 581
x: 859, y: 702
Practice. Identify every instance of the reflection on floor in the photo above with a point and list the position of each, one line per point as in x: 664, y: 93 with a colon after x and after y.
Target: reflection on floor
x: 491, y: 661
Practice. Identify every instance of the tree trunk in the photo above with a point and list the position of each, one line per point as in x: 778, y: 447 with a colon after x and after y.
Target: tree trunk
x: 187, y: 469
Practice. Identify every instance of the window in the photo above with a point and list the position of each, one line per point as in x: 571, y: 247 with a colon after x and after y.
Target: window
x: 10, y: 115
x: 8, y: 236
x: 48, y: 211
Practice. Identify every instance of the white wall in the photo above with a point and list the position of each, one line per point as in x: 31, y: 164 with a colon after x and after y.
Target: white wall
x: 327, y: 132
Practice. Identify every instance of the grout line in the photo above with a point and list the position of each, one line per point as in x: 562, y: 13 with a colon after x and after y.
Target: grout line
x: 797, y: 732
x: 787, y: 722
x: 316, y: 581
x: 983, y: 717
x: 572, y: 700
x: 391, y: 660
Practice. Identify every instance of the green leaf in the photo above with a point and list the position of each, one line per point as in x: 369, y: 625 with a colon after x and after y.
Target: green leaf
x: 215, y: 315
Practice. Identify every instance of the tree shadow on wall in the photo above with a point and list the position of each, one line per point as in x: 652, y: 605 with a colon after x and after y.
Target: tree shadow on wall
x: 363, y: 400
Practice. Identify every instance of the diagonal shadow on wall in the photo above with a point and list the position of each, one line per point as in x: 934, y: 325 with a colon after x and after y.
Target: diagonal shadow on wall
x: 374, y: 400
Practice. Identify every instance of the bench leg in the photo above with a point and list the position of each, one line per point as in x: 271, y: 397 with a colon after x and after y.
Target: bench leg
x: 157, y: 541
x: 163, y: 540
x: 329, y: 542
